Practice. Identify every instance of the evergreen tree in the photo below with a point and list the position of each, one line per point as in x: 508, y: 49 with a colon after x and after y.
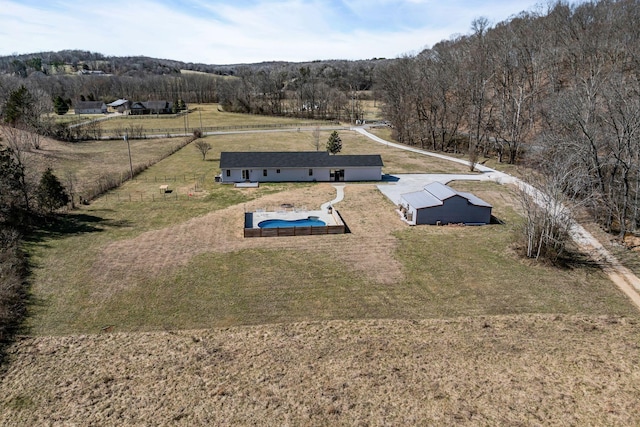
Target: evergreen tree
x: 11, y: 184
x: 60, y: 106
x: 18, y: 107
x: 51, y: 193
x: 334, y: 144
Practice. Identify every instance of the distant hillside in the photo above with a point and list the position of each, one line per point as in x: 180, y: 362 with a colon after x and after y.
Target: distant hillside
x: 319, y: 89
x: 74, y: 61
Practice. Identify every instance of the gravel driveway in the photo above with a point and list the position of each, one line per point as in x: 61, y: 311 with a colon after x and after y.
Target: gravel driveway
x: 399, y: 184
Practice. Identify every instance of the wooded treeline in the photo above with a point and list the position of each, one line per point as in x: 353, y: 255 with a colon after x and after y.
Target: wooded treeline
x: 320, y: 89
x: 557, y: 89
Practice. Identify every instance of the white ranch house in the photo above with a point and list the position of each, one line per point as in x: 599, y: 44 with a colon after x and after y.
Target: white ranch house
x: 440, y: 204
x: 298, y: 166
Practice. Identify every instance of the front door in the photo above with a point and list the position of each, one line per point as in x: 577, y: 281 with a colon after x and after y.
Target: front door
x: 337, y: 175
x: 245, y: 174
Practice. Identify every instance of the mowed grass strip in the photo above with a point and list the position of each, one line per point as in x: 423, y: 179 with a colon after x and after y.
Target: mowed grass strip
x: 182, y: 263
x: 201, y: 116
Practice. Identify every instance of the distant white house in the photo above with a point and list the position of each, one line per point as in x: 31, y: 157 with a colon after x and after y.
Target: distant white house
x: 298, y: 166
x: 89, y: 107
x: 440, y: 204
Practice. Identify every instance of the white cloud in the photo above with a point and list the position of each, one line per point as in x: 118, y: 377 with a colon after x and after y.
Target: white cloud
x: 244, y: 31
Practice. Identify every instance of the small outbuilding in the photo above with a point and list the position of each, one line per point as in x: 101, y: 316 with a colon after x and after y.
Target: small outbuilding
x: 438, y: 203
x: 120, y: 106
x: 298, y: 166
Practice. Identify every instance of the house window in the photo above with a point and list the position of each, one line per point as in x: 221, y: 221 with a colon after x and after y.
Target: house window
x: 277, y: 170
x: 310, y: 172
x: 228, y: 172
x: 264, y: 172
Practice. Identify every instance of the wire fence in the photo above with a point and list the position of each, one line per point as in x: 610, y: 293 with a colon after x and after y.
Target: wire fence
x: 187, y: 130
x: 187, y: 177
x: 187, y: 186
x: 145, y: 197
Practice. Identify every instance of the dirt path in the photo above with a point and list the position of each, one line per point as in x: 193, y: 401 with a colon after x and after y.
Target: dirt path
x: 621, y: 276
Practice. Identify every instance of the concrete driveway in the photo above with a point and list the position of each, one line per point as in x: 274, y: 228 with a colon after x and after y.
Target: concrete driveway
x: 397, y: 184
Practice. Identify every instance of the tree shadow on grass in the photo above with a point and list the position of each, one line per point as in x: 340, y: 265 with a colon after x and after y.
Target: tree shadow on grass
x: 572, y: 259
x: 17, y: 299
x: 69, y: 224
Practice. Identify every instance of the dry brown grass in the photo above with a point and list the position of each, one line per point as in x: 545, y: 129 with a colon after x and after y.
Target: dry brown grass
x: 154, y: 266
x: 89, y: 162
x: 368, y: 251
x: 201, y: 116
x: 513, y: 370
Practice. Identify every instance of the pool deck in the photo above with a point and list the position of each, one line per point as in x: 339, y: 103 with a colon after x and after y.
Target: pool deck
x: 260, y: 215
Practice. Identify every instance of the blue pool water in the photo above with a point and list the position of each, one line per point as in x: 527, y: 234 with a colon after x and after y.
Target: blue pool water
x: 283, y: 223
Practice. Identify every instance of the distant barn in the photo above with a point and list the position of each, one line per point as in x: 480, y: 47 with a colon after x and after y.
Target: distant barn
x: 440, y: 204
x: 89, y: 107
x: 119, y: 106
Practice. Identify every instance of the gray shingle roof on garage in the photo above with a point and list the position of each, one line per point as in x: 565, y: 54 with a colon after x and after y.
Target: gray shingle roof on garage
x: 295, y: 159
x: 89, y: 105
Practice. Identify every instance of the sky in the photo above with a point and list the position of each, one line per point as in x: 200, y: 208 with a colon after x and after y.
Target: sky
x: 243, y: 31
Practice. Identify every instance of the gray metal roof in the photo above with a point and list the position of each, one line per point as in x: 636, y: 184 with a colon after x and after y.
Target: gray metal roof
x: 435, y: 193
x: 295, y: 159
x: 474, y: 200
x: 440, y: 191
x: 89, y: 105
x: 118, y: 103
x: 421, y: 199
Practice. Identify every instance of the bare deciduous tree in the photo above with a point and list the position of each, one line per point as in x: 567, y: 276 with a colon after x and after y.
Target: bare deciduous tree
x: 203, y: 147
x: 316, y: 137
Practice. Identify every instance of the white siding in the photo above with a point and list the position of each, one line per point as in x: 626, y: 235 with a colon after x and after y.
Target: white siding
x: 285, y: 175
x: 373, y: 173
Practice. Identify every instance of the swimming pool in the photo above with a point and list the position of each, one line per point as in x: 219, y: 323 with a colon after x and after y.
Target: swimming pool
x: 283, y: 223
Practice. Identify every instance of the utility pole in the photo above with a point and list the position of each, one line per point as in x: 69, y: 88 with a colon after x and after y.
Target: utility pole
x: 126, y: 139
x: 187, y: 118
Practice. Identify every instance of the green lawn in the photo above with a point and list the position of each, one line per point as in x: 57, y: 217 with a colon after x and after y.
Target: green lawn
x: 82, y: 282
x: 201, y: 116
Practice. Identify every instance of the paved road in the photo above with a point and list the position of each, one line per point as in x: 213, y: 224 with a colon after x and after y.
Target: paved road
x: 620, y: 275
